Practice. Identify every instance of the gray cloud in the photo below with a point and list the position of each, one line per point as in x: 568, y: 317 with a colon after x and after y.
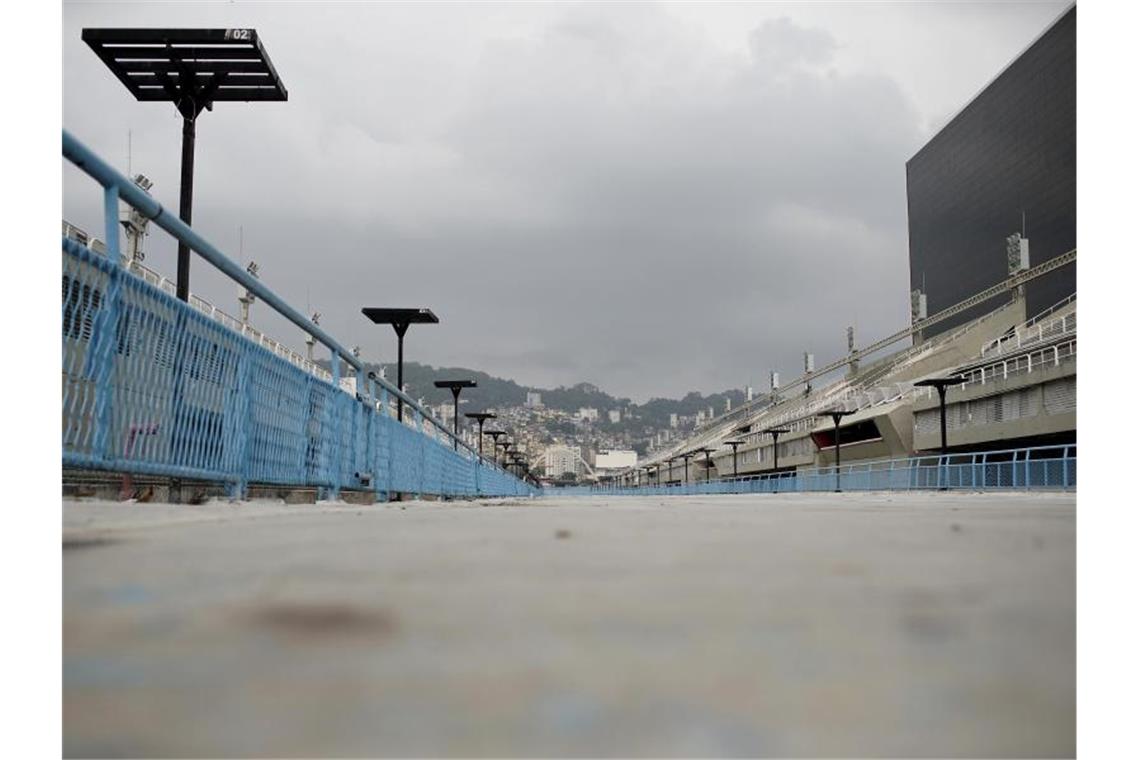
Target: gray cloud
x: 581, y: 192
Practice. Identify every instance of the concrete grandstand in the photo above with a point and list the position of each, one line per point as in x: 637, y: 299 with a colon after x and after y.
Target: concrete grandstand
x: 1017, y: 390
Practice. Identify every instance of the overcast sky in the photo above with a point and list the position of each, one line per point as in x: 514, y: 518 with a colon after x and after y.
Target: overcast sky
x: 652, y: 198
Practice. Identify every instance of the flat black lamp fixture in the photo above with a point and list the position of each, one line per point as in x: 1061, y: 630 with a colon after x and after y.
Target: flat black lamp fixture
x: 941, y: 384
x: 456, y: 387
x: 400, y: 319
x: 734, y: 443
x: 708, y: 465
x: 480, y: 417
x: 836, y: 415
x: 193, y: 69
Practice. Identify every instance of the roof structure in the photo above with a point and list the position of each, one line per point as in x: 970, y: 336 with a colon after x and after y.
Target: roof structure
x: 193, y: 68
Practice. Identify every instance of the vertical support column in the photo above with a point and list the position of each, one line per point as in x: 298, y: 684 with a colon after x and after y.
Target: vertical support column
x: 186, y: 203
x: 386, y: 430
x: 332, y: 431
x: 103, y: 347
x: 423, y: 452
x: 837, y: 454
x: 243, y: 423
x: 370, y: 435
x: 400, y: 330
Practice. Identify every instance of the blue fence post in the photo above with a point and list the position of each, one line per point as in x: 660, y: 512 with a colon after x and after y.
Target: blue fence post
x: 478, y: 465
x: 370, y: 435
x: 243, y: 410
x: 105, y: 333
x: 423, y: 453
x: 387, y: 432
x: 333, y: 430
x: 360, y: 401
x: 1065, y: 468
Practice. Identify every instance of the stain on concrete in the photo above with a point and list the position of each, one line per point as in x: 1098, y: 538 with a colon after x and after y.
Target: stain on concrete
x: 319, y: 620
x: 87, y: 542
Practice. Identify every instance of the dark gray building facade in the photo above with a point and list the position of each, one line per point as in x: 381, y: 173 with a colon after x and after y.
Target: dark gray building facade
x: 1008, y: 159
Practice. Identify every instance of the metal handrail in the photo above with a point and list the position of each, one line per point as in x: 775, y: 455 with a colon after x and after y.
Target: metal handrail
x: 118, y: 187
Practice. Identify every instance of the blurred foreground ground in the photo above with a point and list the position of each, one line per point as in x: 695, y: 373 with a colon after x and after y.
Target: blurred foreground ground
x: 828, y: 624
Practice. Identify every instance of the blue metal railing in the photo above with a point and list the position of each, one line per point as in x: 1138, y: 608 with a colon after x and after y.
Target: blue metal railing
x: 152, y: 386
x: 1042, y: 467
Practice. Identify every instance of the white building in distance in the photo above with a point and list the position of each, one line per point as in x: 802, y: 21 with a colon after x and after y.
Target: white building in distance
x: 560, y: 459
x: 615, y: 459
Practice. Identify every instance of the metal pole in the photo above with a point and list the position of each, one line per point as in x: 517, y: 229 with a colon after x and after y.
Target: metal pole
x: 185, y: 206
x: 942, y: 413
x: 942, y: 420
x: 836, y: 418
x: 400, y: 330
x: 775, y: 452
x: 455, y: 425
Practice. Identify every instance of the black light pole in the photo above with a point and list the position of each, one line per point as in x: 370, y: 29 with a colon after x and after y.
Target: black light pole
x: 400, y: 319
x: 495, y: 434
x: 455, y: 386
x: 505, y: 446
x: 193, y: 76
x: 687, y: 457
x: 708, y: 465
x: 480, y: 417
x: 940, y: 384
x: 734, y: 444
x: 836, y: 415
x: 776, y: 433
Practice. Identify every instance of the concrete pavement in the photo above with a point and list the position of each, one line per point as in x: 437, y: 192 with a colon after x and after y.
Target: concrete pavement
x: 795, y: 624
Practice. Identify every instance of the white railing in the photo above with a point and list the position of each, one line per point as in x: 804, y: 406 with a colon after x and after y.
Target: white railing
x: 1023, y: 364
x: 1030, y: 334
x: 1052, y: 309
